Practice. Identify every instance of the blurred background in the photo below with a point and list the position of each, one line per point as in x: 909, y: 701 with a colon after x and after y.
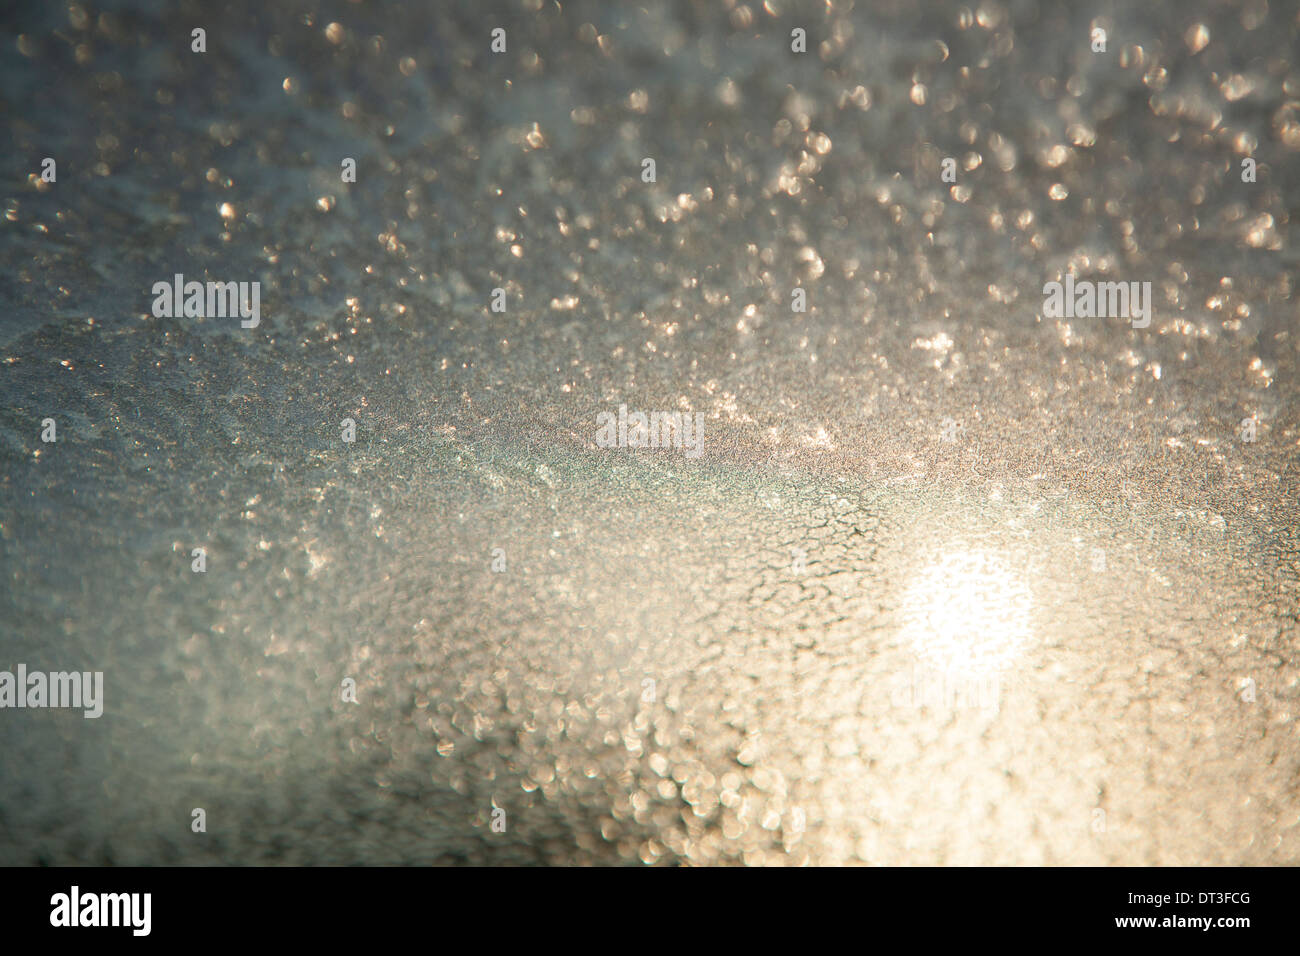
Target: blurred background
x: 952, y: 582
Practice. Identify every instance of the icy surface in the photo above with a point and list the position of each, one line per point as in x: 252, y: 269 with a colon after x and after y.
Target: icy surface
x: 1156, y: 683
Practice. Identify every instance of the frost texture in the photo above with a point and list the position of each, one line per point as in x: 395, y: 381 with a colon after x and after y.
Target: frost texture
x: 779, y: 731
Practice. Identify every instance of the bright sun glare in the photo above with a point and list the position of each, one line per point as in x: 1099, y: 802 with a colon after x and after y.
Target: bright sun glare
x: 967, y: 612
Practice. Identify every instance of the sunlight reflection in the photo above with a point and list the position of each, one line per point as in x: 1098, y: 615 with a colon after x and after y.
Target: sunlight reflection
x: 967, y: 613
